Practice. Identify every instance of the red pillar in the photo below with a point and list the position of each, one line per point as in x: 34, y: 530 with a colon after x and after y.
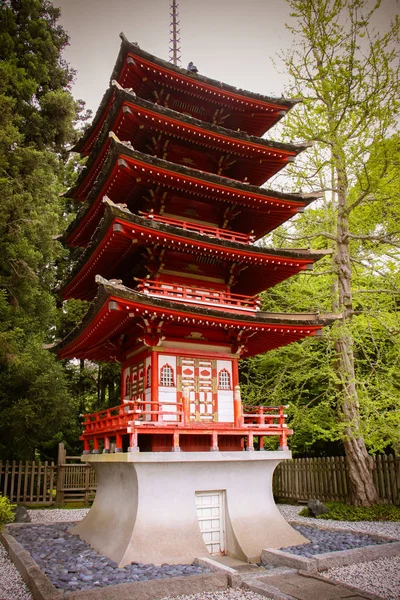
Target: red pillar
x: 86, y: 446
x: 95, y: 445
x: 237, y: 402
x: 154, y: 384
x: 118, y: 443
x: 214, y: 442
x: 133, y: 441
x: 175, y: 443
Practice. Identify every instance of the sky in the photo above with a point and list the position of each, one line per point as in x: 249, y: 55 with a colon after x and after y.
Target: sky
x: 234, y: 41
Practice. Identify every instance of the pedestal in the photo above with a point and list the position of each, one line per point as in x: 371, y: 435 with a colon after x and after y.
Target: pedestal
x: 145, y: 505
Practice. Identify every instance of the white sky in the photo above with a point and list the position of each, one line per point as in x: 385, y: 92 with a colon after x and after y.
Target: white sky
x: 229, y: 40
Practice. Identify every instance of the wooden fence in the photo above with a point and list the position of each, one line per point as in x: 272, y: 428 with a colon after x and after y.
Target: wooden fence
x: 327, y: 479
x: 28, y: 482
x: 296, y: 480
x: 76, y: 481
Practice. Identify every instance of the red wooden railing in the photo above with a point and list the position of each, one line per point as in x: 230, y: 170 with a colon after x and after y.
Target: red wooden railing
x: 143, y: 416
x: 196, y: 295
x: 273, y: 416
x: 222, y: 234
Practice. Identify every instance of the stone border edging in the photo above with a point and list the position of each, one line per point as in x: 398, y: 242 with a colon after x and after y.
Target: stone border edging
x: 234, y: 578
x: 41, y: 587
x: 326, y: 560
x: 38, y: 583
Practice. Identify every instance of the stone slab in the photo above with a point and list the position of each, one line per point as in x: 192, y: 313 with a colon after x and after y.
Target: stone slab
x: 234, y: 578
x: 305, y: 586
x: 156, y: 588
x: 42, y: 588
x: 278, y: 558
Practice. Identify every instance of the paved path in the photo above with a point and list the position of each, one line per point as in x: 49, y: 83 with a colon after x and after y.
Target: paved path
x: 288, y: 584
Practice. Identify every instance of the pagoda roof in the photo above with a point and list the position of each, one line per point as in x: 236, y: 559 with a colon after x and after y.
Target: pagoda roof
x: 114, y: 323
x: 122, y: 235
x: 135, y: 120
x: 126, y: 169
x: 248, y: 111
x: 116, y: 98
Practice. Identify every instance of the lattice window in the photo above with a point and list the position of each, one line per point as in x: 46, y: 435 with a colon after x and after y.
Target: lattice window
x: 167, y: 376
x: 148, y: 377
x: 224, y: 380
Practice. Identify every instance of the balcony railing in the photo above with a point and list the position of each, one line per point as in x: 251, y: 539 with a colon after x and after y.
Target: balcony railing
x: 144, y: 416
x: 221, y: 234
x: 199, y: 296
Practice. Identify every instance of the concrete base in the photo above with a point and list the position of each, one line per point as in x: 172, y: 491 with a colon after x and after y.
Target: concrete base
x: 145, y: 509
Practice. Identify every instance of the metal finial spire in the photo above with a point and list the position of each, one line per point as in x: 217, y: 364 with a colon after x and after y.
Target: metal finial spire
x: 175, y: 35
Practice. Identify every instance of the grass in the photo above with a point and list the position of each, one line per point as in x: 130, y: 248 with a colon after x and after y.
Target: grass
x: 345, y: 512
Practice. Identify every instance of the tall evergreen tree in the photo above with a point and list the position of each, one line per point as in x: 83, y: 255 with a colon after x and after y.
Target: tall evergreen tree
x: 348, y: 75
x: 37, y: 115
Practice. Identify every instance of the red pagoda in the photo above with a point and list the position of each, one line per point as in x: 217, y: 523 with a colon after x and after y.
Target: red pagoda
x: 171, y: 212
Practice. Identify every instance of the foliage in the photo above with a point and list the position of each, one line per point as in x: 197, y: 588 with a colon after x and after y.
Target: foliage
x: 38, y: 117
x: 6, y: 511
x: 348, y: 77
x: 338, y: 511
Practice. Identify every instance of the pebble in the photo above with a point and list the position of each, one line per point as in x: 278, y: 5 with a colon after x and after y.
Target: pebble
x: 70, y: 563
x: 322, y: 540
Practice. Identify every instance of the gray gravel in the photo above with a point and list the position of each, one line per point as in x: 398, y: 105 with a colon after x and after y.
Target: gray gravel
x: 12, y: 586
x: 379, y: 577
x: 71, y: 564
x: 232, y: 594
x: 322, y: 541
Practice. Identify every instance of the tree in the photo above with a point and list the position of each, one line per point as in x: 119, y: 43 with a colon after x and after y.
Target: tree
x: 348, y: 75
x: 37, y: 120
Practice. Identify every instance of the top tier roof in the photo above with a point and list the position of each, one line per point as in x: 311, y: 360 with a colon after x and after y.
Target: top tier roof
x: 210, y: 100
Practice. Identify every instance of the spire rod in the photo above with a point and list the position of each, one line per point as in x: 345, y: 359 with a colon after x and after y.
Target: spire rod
x: 175, y: 35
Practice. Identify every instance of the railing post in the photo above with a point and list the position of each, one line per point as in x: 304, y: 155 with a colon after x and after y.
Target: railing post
x: 61, y: 458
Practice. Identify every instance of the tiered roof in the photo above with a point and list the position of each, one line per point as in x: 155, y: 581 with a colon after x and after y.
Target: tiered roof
x: 179, y: 199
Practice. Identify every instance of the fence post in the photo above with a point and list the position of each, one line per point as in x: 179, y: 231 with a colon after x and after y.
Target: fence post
x: 60, y: 473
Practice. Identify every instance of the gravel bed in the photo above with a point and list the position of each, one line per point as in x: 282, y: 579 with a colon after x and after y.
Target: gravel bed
x: 71, y: 564
x: 380, y: 576
x: 328, y: 541
x: 232, y: 594
x: 386, y: 528
x: 12, y: 586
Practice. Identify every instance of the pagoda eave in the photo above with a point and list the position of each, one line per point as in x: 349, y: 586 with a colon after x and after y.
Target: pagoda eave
x: 125, y: 168
x: 255, y: 113
x: 117, y: 99
x: 111, y: 322
x: 121, y: 234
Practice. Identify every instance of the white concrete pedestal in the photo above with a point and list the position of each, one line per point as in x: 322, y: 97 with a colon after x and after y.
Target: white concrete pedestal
x: 145, y: 509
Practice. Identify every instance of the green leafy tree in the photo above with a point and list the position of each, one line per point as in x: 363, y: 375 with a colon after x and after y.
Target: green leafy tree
x: 348, y: 75
x: 37, y: 119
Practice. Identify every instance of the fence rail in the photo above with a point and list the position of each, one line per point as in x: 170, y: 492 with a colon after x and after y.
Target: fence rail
x: 327, y: 479
x: 300, y: 479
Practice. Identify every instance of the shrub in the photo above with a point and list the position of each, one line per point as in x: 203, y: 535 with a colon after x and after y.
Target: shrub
x: 345, y: 512
x: 6, y: 511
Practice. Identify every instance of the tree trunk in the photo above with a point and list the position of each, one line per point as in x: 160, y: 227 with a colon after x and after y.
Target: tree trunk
x: 359, y: 462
